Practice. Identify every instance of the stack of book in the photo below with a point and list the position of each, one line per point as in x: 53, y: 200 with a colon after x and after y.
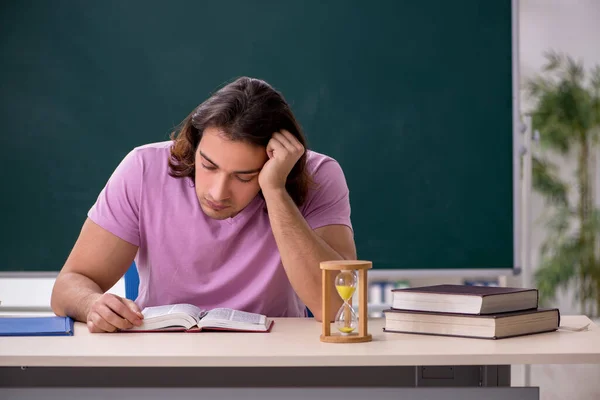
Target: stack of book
x: 469, y: 311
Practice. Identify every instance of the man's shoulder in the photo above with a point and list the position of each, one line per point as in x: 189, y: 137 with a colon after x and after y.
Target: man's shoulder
x: 318, y: 164
x: 153, y: 149
x: 315, y: 160
x: 153, y: 155
x: 327, y: 200
x: 147, y: 161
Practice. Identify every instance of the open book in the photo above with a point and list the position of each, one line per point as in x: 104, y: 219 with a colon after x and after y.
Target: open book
x: 187, y: 317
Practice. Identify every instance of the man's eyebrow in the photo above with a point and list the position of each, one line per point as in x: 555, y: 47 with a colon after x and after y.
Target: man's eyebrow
x: 208, y: 159
x: 249, y: 171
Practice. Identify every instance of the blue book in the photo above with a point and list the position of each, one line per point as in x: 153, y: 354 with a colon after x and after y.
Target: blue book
x: 36, y: 326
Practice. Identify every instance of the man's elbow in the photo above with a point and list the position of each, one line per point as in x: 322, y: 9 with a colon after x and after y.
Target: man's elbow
x: 55, y: 303
x: 348, y: 255
x: 60, y: 292
x: 57, y: 310
x: 318, y: 316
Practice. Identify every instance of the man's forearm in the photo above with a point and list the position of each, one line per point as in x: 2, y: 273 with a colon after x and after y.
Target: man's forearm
x: 73, y: 294
x: 301, y: 251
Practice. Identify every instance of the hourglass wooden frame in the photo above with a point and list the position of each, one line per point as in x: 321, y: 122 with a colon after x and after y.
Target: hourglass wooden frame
x: 328, y: 268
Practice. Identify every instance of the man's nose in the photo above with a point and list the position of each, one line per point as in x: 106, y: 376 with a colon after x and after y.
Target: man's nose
x: 220, y: 188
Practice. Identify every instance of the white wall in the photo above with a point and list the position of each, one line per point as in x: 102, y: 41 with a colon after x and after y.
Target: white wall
x: 573, y: 27
x: 31, y: 294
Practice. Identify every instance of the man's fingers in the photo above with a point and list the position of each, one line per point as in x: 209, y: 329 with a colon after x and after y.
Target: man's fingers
x: 293, y: 140
x: 133, y: 307
x: 97, y: 324
x: 113, y: 318
x: 275, y: 145
x: 123, y: 310
x: 285, y: 142
x: 92, y: 328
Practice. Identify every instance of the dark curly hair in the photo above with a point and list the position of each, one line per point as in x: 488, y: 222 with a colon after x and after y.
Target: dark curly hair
x: 248, y: 110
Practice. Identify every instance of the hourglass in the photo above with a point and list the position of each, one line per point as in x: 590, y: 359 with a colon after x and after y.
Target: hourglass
x: 346, y: 321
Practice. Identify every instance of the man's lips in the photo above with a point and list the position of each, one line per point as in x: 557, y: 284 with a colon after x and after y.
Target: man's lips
x: 216, y: 206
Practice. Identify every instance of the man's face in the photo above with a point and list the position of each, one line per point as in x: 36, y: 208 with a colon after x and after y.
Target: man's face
x: 226, y: 173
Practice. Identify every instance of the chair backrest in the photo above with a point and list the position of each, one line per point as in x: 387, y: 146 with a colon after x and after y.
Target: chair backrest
x: 132, y: 282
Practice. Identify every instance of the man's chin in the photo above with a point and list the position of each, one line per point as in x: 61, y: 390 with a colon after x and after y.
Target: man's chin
x: 219, y: 215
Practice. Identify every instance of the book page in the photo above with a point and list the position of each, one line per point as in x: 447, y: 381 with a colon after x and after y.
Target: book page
x: 189, y: 309
x: 228, y: 314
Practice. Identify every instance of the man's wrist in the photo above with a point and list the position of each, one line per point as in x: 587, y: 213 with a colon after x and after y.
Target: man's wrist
x: 87, y: 302
x: 274, y: 193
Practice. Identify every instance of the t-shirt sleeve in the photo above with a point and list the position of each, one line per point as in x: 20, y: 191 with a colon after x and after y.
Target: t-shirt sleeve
x: 117, y: 206
x: 328, y: 200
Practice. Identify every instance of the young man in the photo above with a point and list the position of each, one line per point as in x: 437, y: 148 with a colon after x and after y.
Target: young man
x: 231, y: 212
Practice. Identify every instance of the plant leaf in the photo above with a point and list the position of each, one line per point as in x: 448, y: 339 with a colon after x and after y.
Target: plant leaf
x: 595, y: 104
x: 554, y: 60
x: 558, y: 269
x: 545, y: 181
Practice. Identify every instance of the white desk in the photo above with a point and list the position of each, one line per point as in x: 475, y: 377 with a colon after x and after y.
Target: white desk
x: 291, y: 355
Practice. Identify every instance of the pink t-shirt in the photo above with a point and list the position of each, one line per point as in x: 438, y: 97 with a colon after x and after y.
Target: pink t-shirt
x: 186, y: 257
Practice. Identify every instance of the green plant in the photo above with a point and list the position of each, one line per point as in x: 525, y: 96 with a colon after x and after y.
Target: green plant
x: 567, y: 115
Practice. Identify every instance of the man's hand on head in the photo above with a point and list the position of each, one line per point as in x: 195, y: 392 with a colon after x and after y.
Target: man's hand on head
x: 284, y: 151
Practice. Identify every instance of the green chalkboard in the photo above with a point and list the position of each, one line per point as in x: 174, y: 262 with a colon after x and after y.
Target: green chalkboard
x: 413, y: 98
